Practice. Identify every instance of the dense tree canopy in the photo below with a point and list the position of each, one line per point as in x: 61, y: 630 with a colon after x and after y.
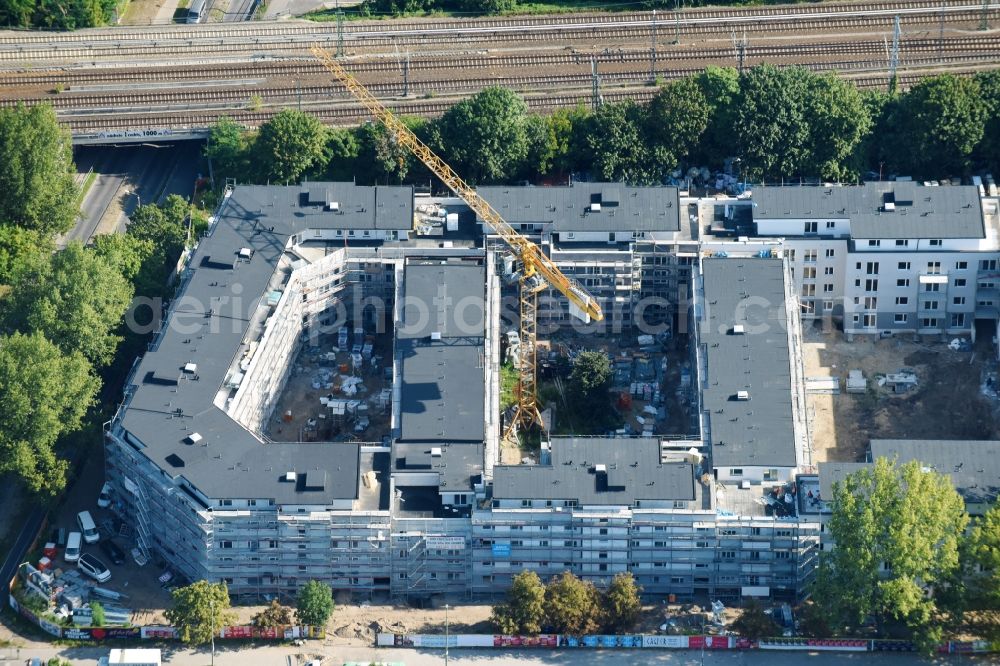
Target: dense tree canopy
x: 227, y: 146
x: 314, y: 604
x: 200, y: 611
x: 621, y: 603
x: 524, y: 610
x: 75, y: 297
x: 36, y: 181
x: 896, y: 530
x: 65, y: 14
x: 678, y: 116
x: 45, y: 394
x: 572, y: 606
x: 485, y: 137
x: 289, y: 145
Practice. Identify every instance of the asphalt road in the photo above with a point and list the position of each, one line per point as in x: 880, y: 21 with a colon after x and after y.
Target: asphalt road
x: 127, y: 175
x: 336, y: 656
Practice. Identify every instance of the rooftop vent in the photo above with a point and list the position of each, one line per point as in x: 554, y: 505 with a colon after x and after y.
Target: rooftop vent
x: 436, y: 335
x: 601, y: 469
x: 290, y: 476
x: 738, y: 329
x: 190, y: 368
x: 194, y: 438
x: 743, y: 395
x: 595, y: 207
x: 246, y: 253
x: 333, y: 205
x: 436, y: 452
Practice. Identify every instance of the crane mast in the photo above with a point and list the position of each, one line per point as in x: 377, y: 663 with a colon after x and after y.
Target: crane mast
x: 537, y: 271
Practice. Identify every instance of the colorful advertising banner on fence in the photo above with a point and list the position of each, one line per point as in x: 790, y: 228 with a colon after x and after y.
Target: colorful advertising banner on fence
x: 830, y: 644
x: 708, y: 642
x: 671, y: 642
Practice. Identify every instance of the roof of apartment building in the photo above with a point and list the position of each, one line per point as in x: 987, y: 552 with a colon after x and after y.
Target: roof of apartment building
x: 631, y: 471
x: 878, y: 210
x: 582, y: 207
x: 172, y: 411
x: 753, y: 428
x: 440, y: 350
x: 458, y: 466
x: 972, y: 465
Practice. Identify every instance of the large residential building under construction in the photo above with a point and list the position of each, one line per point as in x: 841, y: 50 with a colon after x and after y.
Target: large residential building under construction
x: 390, y: 312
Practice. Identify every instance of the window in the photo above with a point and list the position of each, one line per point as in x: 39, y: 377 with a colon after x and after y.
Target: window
x: 871, y: 285
x: 831, y: 224
x: 958, y: 319
x: 827, y: 288
x: 809, y: 273
x: 903, y: 266
x: 900, y: 318
x: 958, y: 300
x: 930, y: 305
x: 857, y: 266
x: 987, y: 264
x: 736, y: 472
x: 902, y: 243
x: 808, y: 290
x: 961, y: 265
x: 828, y: 270
x: 570, y: 235
x: 960, y: 282
x: 810, y: 227
x: 827, y: 306
x: 808, y: 307
x: 903, y: 282
x: 868, y: 321
x: 809, y: 256
x: 874, y: 243
x: 872, y: 268
x: 902, y: 300
x: 871, y: 303
x: 728, y: 554
x: 829, y: 252
x: 857, y: 282
x: 929, y: 322
x: 934, y: 267
x: 225, y: 544
x: 935, y: 242
x: 932, y: 286
x: 782, y: 555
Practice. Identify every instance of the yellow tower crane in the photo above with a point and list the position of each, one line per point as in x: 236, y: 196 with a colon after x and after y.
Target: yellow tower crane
x: 537, y: 271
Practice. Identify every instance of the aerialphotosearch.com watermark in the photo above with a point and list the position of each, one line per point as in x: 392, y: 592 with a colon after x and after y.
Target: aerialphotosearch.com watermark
x: 465, y: 316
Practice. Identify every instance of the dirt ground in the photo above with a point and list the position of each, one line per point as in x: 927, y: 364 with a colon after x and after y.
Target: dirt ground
x: 303, y: 401
x: 946, y: 404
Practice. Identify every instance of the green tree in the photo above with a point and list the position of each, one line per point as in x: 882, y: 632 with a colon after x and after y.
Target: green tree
x: 988, y: 151
x: 96, y: 614
x: 44, y: 394
x: 572, y: 606
x: 76, y: 297
x: 484, y: 137
x: 289, y: 145
x: 165, y: 227
x: 228, y: 147
x: 200, y: 611
x: 524, y: 610
x: 343, y: 146
x: 127, y: 254
x: 488, y: 6
x: 982, y: 566
x: 19, y: 246
x: 618, y: 144
x: 678, y: 116
x: 568, y: 129
x: 591, y: 375
x: 314, y: 604
x: 937, y: 123
x: 621, y: 602
x: 755, y: 623
x: 381, y: 159
x: 896, y: 530
x: 771, y: 128
x: 838, y: 121
x: 720, y: 87
x: 36, y: 178
x: 274, y: 615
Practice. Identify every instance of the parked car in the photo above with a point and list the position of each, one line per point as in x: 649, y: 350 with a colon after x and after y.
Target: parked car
x: 114, y: 553
x: 94, y: 568
x: 88, y: 527
x: 104, y: 499
x: 74, y: 544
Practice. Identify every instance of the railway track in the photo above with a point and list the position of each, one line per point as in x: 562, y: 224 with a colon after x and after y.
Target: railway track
x: 973, y: 47
x: 285, y: 39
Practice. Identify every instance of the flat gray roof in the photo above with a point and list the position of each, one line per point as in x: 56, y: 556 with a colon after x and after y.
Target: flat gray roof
x: 919, y: 212
x: 633, y: 472
x: 973, y: 465
x: 568, y: 208
x: 835, y: 472
x: 755, y: 432
x: 210, y: 320
x: 440, y: 348
x: 458, y: 466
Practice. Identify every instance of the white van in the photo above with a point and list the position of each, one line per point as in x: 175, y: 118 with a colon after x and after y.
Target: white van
x: 87, y: 526
x: 73, y: 547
